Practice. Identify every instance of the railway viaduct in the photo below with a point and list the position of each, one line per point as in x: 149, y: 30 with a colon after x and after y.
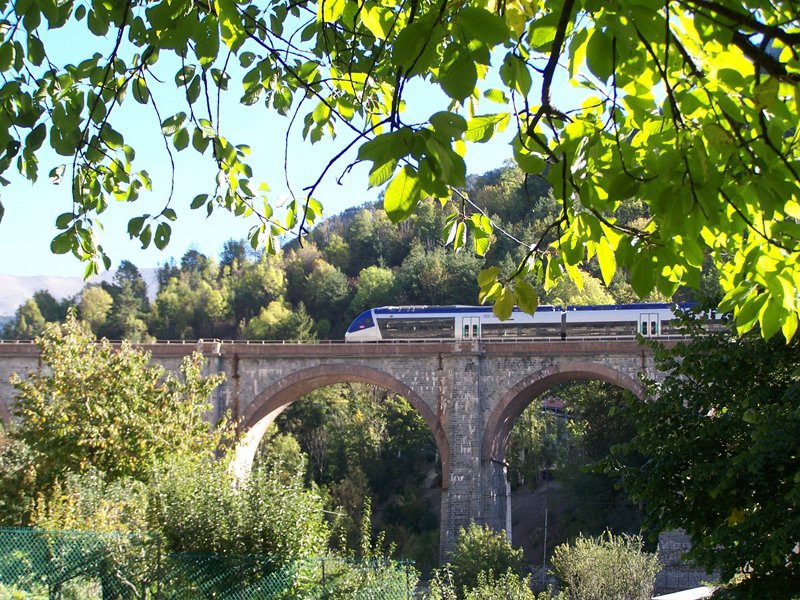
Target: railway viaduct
x: 469, y: 394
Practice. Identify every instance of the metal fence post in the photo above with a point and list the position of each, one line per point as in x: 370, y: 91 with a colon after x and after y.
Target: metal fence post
x: 158, y: 568
x: 324, y: 591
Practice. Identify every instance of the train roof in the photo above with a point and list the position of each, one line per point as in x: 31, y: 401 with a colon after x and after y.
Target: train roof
x: 454, y: 308
x: 634, y: 306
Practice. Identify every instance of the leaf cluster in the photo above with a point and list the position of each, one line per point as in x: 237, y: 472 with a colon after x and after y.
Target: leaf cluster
x: 688, y: 107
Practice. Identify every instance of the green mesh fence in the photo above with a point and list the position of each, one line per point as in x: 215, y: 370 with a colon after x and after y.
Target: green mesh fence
x: 85, y: 566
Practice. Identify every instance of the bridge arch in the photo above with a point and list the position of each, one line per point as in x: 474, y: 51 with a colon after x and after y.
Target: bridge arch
x: 502, y: 418
x: 268, y: 404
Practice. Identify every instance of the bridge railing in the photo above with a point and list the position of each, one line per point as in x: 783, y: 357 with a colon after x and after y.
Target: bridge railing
x: 508, y: 340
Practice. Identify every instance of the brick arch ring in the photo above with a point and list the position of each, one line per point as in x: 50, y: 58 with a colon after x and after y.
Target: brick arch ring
x: 268, y: 404
x: 510, y: 407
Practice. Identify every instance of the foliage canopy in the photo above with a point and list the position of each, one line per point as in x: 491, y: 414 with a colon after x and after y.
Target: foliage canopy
x: 720, y: 450
x: 105, y: 408
x: 690, y: 106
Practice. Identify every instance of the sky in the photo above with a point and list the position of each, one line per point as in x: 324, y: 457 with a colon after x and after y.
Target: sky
x: 31, y: 210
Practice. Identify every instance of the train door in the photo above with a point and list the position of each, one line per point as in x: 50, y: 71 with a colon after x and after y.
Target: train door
x: 470, y: 328
x: 649, y: 325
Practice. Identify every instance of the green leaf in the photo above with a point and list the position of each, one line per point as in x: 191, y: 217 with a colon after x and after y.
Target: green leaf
x: 173, y: 123
x: 527, y: 298
x: 642, y: 276
x: 135, y: 226
x: 207, y: 36
x: 392, y: 145
x: 199, y: 140
x: 482, y: 128
x: 184, y: 75
x: 449, y: 124
x: 458, y: 74
x: 231, y: 28
x: 381, y: 173
x: 35, y: 50
x: 789, y: 327
x: 378, y: 20
x: 599, y: 55
x: 140, y: 91
x: 34, y: 139
x: 481, y: 230
x: 480, y: 24
x: 413, y: 50
x: 145, y: 236
x: 402, y: 194
x: 163, y: 232
x: 112, y: 138
x: 766, y: 93
x: 622, y: 187
x: 504, y: 305
x: 64, y: 220
x: 330, y: 10
x: 6, y: 56
x: 771, y: 318
x: 181, y: 139
x: 749, y: 311
x: 62, y: 243
x: 199, y: 201
x: 514, y: 73
x: 528, y: 162
x: 606, y: 260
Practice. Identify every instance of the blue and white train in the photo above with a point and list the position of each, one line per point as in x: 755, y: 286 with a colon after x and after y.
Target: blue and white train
x: 410, y: 323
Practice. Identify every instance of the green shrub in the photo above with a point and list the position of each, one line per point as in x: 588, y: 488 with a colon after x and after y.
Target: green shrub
x: 608, y: 567
x: 508, y: 586
x: 479, y: 549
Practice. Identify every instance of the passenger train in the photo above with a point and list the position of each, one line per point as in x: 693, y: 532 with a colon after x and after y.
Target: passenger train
x: 411, y: 323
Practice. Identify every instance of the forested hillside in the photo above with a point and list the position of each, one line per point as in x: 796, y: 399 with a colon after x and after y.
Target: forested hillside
x: 316, y: 285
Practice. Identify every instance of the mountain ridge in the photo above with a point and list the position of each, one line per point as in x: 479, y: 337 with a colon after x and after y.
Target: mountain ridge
x: 16, y: 289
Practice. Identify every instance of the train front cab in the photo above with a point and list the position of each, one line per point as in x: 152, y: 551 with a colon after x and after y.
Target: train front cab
x: 363, y: 329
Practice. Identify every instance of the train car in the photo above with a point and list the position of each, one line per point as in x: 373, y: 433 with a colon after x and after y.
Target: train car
x: 619, y: 320
x: 407, y: 323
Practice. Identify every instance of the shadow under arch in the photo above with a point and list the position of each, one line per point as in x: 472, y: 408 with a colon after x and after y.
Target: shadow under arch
x: 271, y: 402
x: 505, y: 414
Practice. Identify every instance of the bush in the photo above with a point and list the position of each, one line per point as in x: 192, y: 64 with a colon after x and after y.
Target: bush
x: 608, y: 567
x: 482, y: 550
x: 197, y: 509
x: 507, y: 586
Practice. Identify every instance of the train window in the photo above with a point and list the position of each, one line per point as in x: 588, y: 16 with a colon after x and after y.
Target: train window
x: 521, y: 330
x: 466, y: 331
x: 475, y: 331
x: 603, y: 329
x: 395, y: 329
x: 644, y: 328
x: 654, y: 327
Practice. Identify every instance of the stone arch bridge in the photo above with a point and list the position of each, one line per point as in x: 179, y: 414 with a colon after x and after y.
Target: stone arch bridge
x: 469, y: 394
